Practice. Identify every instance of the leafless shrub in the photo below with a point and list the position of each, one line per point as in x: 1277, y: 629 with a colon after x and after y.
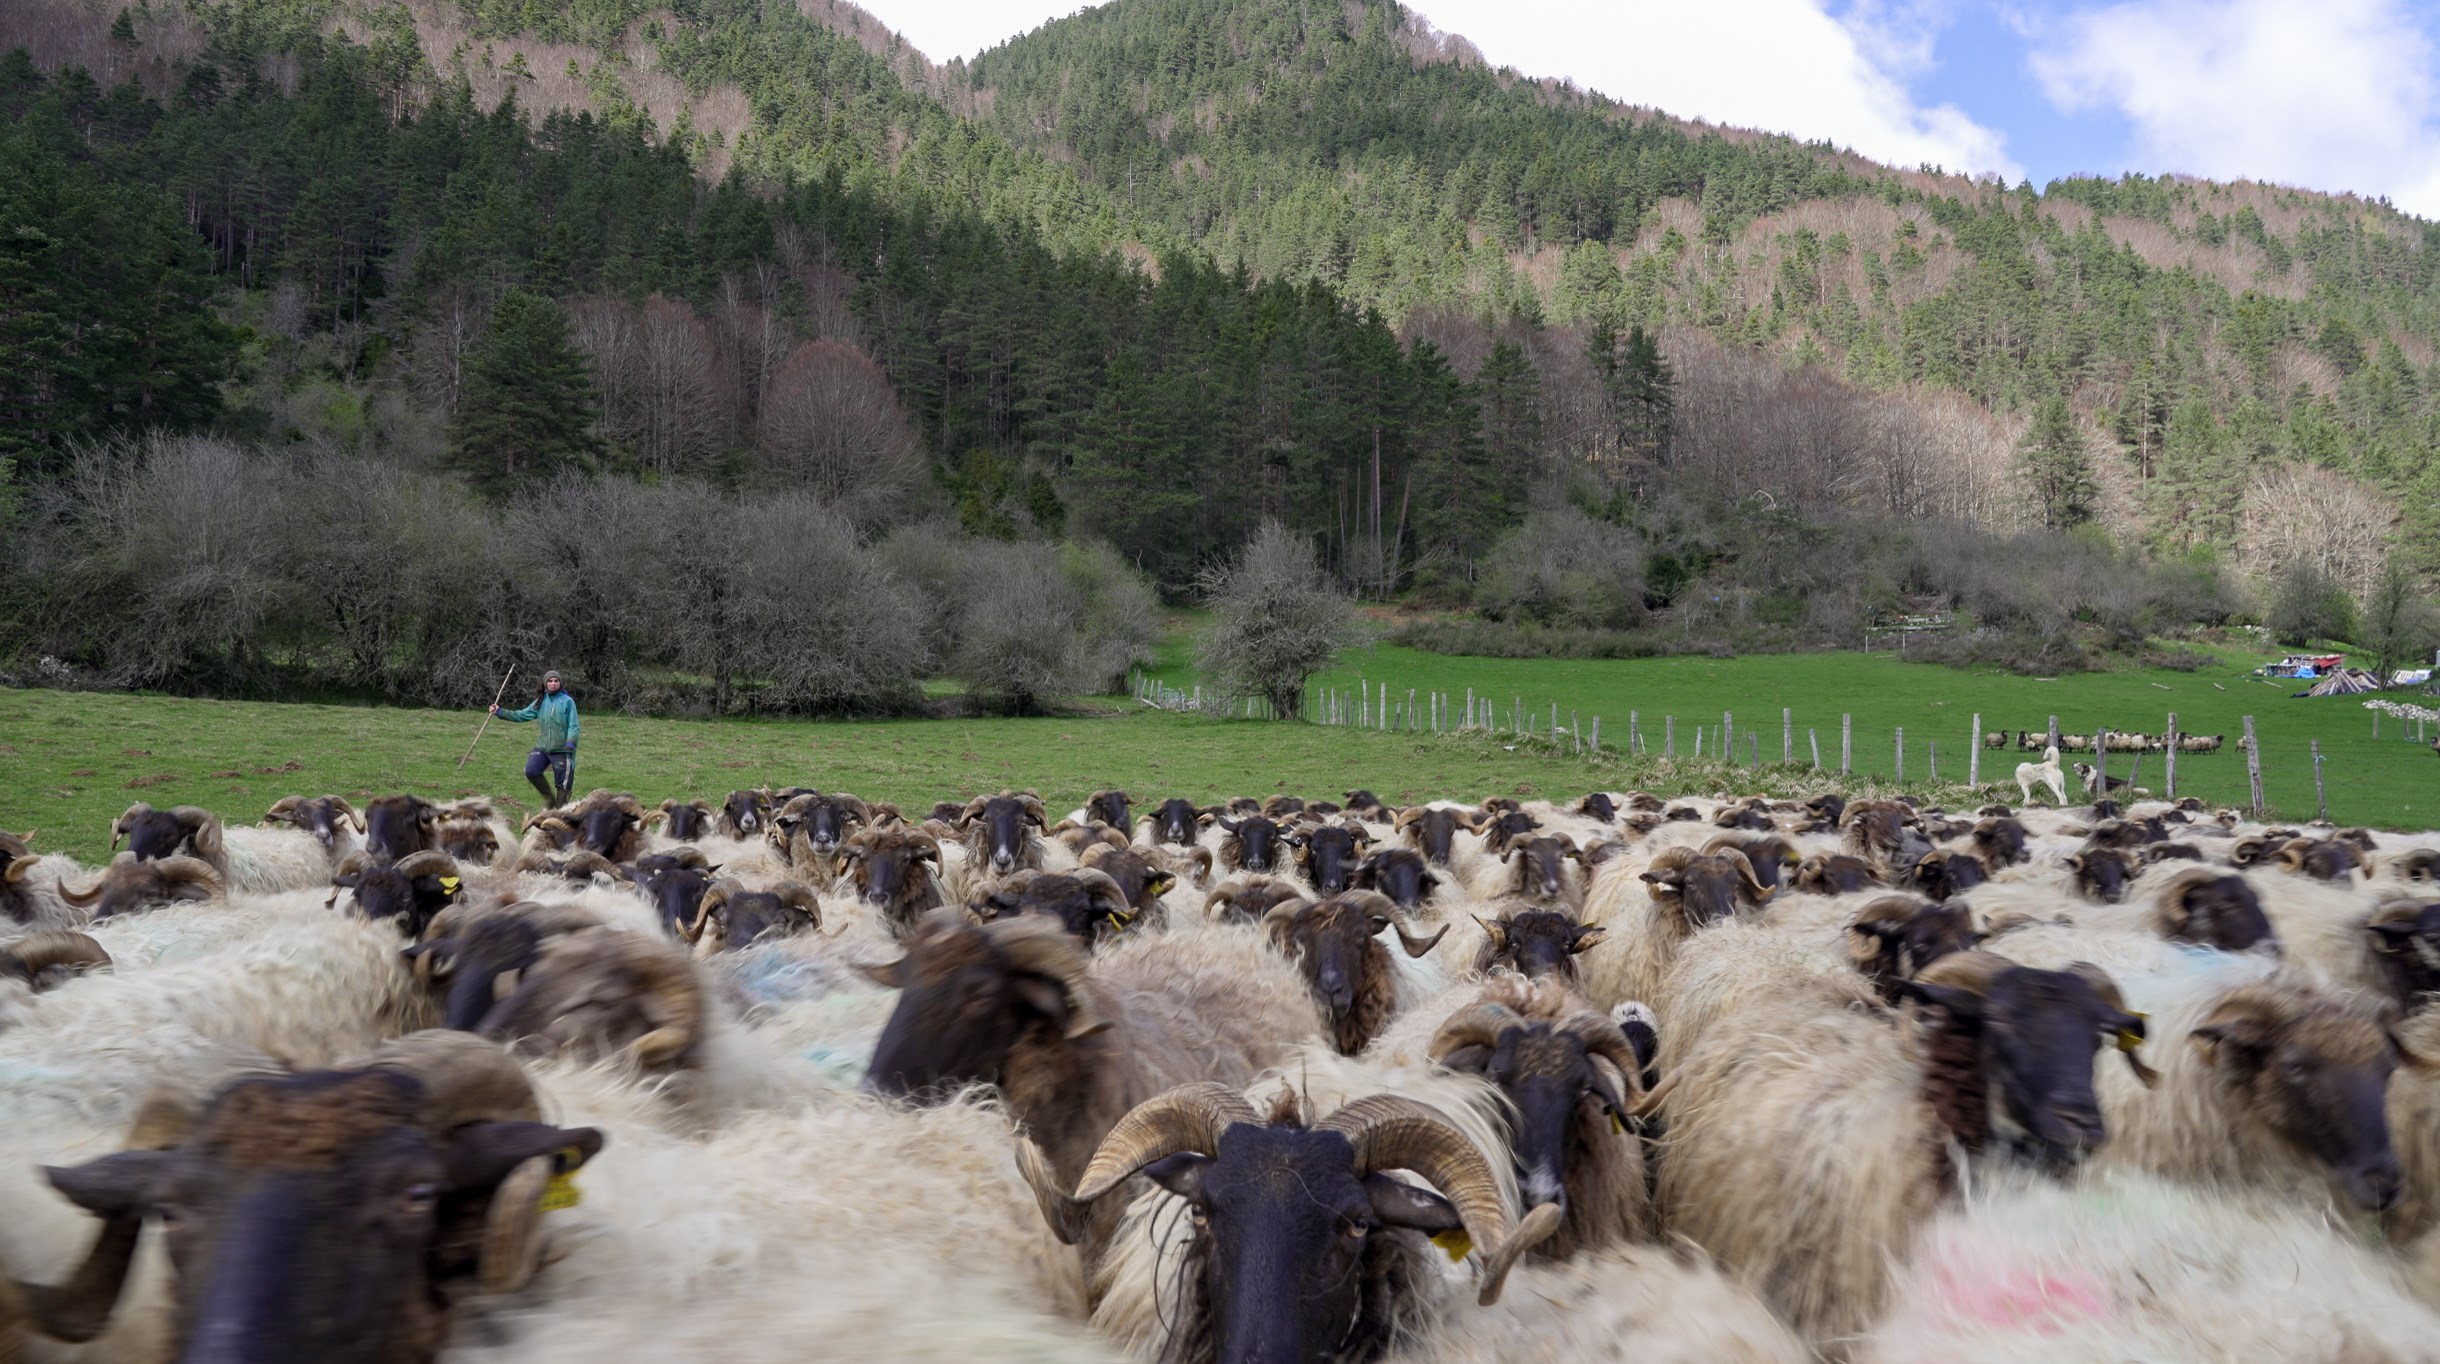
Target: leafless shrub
x: 1563, y: 568
x: 1277, y: 620
x: 832, y: 426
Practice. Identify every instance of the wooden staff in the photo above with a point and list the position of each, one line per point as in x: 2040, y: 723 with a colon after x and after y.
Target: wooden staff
x: 495, y: 705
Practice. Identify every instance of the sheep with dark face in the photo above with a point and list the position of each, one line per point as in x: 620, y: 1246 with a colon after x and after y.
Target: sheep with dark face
x: 606, y: 993
x: 1540, y: 868
x: 1109, y: 807
x: 1401, y: 874
x: 475, y: 955
x: 1706, y: 887
x: 129, y: 885
x: 675, y: 883
x: 742, y: 815
x: 1894, y: 938
x: 408, y: 892
x: 1327, y: 854
x: 1250, y: 899
x: 1142, y: 878
x: 151, y: 833
x: 896, y: 872
x: 1597, y: 805
x: 1337, y: 944
x: 2207, y: 907
x: 18, y: 898
x: 1835, y: 874
x: 1772, y: 857
x: 997, y: 839
x: 1999, y: 841
x: 331, y: 1215
x: 2002, y: 1056
x: 1088, y: 904
x: 395, y: 826
x: 1538, y: 944
x: 1074, y: 1041
x: 1570, y: 1081
x: 2100, y: 874
x: 2323, y: 859
x: 1943, y: 876
x: 1303, y: 1247
x: 1178, y: 821
x: 811, y: 831
x: 1506, y: 827
x: 732, y: 917
x: 682, y: 820
x: 608, y: 823
x: 2405, y: 942
x: 1253, y: 843
x: 1432, y: 830
x: 327, y: 818
x: 1367, y: 806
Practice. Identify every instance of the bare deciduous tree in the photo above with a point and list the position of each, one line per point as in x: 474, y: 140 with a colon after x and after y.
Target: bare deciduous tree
x: 2298, y: 512
x: 1277, y: 620
x: 832, y: 426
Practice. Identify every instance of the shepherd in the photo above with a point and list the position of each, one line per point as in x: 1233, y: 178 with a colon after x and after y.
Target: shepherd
x: 555, y: 751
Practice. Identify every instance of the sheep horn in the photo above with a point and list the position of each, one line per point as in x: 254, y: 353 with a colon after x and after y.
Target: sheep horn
x: 39, y: 952
x: 429, y: 862
x: 1603, y: 1037
x: 1416, y: 947
x: 465, y: 1078
x: 118, y: 827
x: 282, y: 809
x: 1187, y: 1118
x: 798, y: 895
x: 717, y: 895
x: 83, y: 899
x: 1477, y: 1026
x: 1391, y: 1132
x: 1041, y: 946
x: 2127, y: 1043
x: 1033, y: 808
x: 1064, y: 1214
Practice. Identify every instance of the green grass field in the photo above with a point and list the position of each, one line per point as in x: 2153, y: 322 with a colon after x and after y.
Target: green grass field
x: 2373, y: 782
x: 70, y: 762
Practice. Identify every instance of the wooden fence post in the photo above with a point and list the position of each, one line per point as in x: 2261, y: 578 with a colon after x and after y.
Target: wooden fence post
x: 2054, y: 731
x: 1596, y: 736
x: 2169, y: 755
x: 1469, y: 707
x: 1814, y: 737
x: 1935, y: 747
x: 1728, y: 736
x: 1787, y: 737
x: 1846, y: 743
x: 2321, y: 797
x: 1635, y: 733
x: 2253, y: 764
x: 1901, y: 751
x: 2101, y: 764
x: 1974, y: 754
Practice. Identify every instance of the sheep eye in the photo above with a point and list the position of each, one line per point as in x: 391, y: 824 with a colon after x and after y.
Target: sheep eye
x: 1196, y: 1215
x: 1354, y: 1231
x: 418, y: 1199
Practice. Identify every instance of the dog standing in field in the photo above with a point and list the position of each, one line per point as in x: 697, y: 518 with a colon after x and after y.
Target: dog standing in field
x: 2087, y: 774
x: 2046, y: 772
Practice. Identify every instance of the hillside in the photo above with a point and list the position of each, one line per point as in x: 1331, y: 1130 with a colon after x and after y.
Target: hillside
x: 1159, y: 270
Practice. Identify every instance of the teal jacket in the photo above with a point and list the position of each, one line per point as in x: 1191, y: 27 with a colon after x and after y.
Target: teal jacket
x: 557, y: 712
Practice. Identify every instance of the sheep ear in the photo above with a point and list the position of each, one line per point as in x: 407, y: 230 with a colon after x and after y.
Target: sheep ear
x: 1583, y: 936
x: 1180, y: 1174
x: 1472, y: 1059
x: 1962, y: 1003
x: 1399, y: 1204
x: 889, y: 975
x: 2239, y: 1039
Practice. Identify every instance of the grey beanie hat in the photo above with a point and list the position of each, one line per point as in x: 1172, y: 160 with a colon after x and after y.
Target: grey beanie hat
x: 550, y: 675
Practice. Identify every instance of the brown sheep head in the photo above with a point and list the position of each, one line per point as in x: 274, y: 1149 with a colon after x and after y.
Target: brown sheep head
x: 1253, y: 843
x: 327, y: 1215
x: 2012, y: 1050
x: 1141, y: 880
x: 2323, y: 859
x: 1943, y: 876
x: 1109, y: 807
x: 1598, y: 805
x: 893, y: 871
x: 1178, y: 821
x: 602, y: 992
x: 1538, y: 944
x: 2404, y: 936
x: 682, y: 820
x: 1364, y: 804
x: 730, y: 917
x: 325, y: 817
x: 1506, y: 827
x: 743, y: 813
x: 1999, y: 841
x: 2210, y: 908
x: 468, y: 840
x: 1432, y: 830
x: 1079, y: 837
x: 1335, y: 943
x: 1572, y: 1082
x: 1541, y: 862
x: 1249, y: 899
x: 395, y: 826
x: 1772, y: 857
x: 2315, y: 1070
x: 1704, y: 887
x: 2100, y: 874
x: 1088, y: 904
x: 1835, y: 874
x: 970, y: 995
x: 128, y: 885
x: 1002, y: 820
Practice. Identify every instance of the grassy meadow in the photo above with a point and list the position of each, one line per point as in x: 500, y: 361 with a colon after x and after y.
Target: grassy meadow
x: 73, y: 761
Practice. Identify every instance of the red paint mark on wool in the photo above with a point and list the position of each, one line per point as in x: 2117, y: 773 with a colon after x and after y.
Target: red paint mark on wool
x: 2034, y: 1300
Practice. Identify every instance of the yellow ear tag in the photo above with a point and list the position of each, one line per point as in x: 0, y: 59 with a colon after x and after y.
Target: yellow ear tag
x: 562, y: 1192
x: 449, y: 884
x: 1618, y: 1125
x: 2129, y: 1039
x: 1454, y: 1243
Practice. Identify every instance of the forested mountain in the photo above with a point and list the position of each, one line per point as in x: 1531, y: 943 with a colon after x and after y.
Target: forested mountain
x: 1164, y: 268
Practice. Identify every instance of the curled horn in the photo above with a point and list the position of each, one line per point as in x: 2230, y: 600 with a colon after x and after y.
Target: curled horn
x: 84, y: 899
x: 189, y: 871
x: 1099, y: 886
x: 974, y: 808
x: 1496, y: 930
x: 929, y: 845
x: 80, y: 1309
x: 1384, y: 910
x: 348, y: 810
x: 1282, y: 917
x: 282, y: 809
x: 118, y: 827
x: 1753, y: 883
x: 798, y: 895
x: 2128, y: 1041
x: 1033, y: 808
x: 853, y: 806
x: 1604, y: 1039
x: 1391, y: 1132
x: 1478, y: 1025
x: 1064, y: 1214
x: 1041, y: 946
x: 1188, y: 1118
x: 36, y: 953
x: 669, y: 983
x: 429, y: 862
x: 717, y: 895
x: 1405, y: 817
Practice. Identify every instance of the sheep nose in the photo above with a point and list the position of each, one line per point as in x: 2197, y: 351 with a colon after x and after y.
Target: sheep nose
x: 2076, y: 1123
x: 2375, y: 1184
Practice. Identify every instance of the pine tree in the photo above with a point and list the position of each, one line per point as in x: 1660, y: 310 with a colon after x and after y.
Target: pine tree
x: 528, y: 408
x: 2056, y: 466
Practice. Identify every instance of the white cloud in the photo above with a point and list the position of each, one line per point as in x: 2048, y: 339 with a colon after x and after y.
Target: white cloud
x: 2330, y: 94
x: 1785, y: 66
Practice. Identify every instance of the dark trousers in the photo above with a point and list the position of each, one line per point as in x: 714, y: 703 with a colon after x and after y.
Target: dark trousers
x: 561, y: 766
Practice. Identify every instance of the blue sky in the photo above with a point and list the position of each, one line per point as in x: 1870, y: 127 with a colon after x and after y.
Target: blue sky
x: 2328, y: 94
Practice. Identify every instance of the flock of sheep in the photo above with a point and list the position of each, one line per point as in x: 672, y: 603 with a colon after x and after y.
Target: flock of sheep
x: 801, y: 1075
